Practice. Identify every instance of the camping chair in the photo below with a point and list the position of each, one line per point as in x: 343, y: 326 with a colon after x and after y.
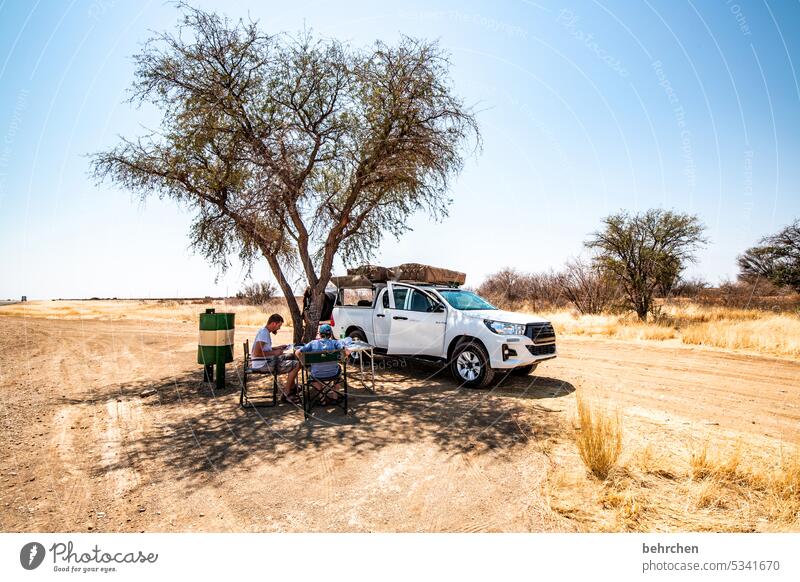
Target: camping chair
x: 313, y: 395
x: 246, y: 401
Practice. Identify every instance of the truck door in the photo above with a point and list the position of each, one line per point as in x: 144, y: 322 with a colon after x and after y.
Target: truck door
x: 418, y: 322
x: 381, y: 320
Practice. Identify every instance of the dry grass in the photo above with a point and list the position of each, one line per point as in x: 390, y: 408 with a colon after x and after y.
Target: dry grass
x: 669, y: 478
x: 773, y: 334
x: 761, y: 487
x: 723, y: 327
x: 146, y: 310
x: 599, y: 438
x: 719, y: 487
x: 721, y: 466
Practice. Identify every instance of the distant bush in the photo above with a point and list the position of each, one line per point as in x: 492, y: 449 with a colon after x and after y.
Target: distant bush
x: 691, y: 288
x: 257, y: 293
x: 750, y: 294
x: 580, y: 284
x: 588, y: 289
x: 512, y: 289
x: 583, y: 286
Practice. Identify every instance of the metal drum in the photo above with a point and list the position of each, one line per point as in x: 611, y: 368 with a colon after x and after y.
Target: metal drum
x: 215, y: 345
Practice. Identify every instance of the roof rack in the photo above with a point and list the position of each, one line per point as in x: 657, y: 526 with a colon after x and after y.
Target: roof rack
x: 366, y: 276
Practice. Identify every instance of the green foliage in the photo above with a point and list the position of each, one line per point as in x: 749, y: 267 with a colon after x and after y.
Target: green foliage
x: 776, y: 258
x: 647, y: 251
x: 289, y: 148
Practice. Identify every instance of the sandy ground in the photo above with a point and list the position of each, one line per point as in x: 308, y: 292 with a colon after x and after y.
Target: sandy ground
x: 83, y: 450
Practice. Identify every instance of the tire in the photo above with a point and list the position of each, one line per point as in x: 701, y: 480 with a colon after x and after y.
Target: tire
x: 524, y: 370
x: 470, y: 365
x: 359, y: 335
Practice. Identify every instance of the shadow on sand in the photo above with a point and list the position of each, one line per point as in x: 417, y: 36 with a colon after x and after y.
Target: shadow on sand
x: 197, y: 430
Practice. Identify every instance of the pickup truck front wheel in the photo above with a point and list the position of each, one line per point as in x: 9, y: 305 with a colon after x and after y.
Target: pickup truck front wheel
x: 470, y: 365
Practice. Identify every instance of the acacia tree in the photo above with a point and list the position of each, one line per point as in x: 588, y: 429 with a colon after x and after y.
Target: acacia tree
x: 642, y: 251
x: 293, y: 149
x: 776, y: 258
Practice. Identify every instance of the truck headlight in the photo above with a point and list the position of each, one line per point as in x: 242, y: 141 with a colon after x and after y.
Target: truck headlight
x: 502, y: 328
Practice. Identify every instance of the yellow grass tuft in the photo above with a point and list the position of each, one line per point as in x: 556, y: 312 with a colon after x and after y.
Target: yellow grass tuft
x: 763, y: 488
x: 599, y: 439
x: 723, y: 466
x: 711, y: 495
x: 628, y: 505
x: 782, y: 484
x: 649, y: 462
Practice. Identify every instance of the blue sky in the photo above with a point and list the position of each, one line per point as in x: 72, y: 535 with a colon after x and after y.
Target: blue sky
x: 586, y: 108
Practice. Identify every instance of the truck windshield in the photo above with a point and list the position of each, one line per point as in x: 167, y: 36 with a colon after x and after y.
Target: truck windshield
x: 465, y: 300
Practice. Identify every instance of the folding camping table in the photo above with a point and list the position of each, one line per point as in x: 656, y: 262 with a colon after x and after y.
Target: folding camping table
x: 362, y: 349
x: 354, y: 347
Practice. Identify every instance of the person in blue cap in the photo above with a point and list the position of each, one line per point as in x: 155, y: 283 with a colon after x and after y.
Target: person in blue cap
x: 326, y: 370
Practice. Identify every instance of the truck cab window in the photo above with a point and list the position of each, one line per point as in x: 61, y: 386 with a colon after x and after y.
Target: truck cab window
x: 421, y: 302
x: 400, y: 297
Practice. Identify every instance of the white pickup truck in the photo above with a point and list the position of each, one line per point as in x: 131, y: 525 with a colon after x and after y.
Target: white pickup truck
x: 447, y: 324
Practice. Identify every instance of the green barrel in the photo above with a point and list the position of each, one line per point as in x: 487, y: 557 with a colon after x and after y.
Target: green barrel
x: 215, y: 346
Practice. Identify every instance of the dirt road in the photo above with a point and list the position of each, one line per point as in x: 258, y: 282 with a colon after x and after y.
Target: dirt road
x: 83, y: 450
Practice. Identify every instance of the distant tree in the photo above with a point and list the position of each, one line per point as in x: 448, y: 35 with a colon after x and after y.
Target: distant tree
x: 776, y: 258
x: 292, y: 148
x: 642, y: 251
x: 257, y: 293
x: 507, y: 287
x: 588, y: 288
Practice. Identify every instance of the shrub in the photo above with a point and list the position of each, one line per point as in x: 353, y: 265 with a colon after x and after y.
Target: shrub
x: 599, y: 439
x: 690, y: 288
x: 589, y: 290
x: 257, y: 293
x: 750, y: 294
x: 512, y: 289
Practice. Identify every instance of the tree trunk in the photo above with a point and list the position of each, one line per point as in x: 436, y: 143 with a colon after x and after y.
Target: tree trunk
x: 311, y: 320
x: 317, y: 299
x: 297, y: 325
x: 642, y: 308
x: 288, y: 293
x: 314, y: 311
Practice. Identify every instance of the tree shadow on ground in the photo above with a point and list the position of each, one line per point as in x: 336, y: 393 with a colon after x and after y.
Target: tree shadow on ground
x: 199, y: 431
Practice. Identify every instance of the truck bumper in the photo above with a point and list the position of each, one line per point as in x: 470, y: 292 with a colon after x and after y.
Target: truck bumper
x: 507, y: 352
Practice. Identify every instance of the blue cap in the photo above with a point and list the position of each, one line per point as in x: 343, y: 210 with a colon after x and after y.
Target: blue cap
x: 325, y: 329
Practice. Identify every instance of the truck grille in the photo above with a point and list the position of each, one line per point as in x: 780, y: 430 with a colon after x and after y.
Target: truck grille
x: 540, y: 333
x: 542, y: 350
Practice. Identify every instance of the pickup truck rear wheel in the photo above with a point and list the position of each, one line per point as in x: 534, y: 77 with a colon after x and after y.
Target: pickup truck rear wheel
x: 470, y: 365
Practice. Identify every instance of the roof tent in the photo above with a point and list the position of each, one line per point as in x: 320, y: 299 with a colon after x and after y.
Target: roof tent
x: 367, y: 276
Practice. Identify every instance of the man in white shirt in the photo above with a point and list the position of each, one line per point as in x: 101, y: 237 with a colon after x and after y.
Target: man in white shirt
x: 263, y: 353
